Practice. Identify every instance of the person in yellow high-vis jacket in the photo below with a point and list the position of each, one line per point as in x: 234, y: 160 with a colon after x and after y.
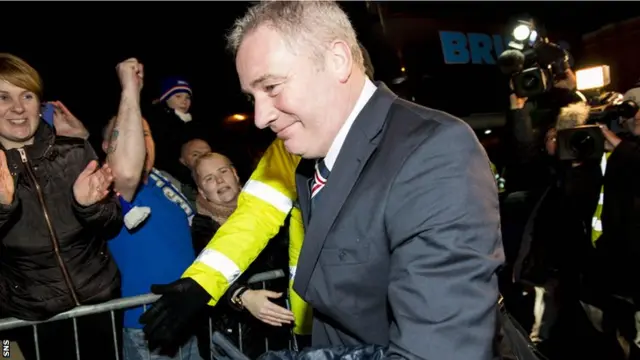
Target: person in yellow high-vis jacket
x: 264, y: 204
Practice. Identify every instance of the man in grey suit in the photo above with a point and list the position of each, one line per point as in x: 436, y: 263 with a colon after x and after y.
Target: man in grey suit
x: 400, y: 207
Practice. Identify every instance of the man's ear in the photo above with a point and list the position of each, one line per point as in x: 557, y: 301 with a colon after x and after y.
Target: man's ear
x: 182, y: 161
x: 340, y: 59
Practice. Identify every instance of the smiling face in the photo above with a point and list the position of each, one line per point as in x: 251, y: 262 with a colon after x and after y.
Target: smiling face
x: 19, y: 115
x: 217, y: 179
x: 295, y: 96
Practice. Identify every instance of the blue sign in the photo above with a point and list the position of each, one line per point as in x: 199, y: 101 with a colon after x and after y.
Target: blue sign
x: 477, y: 48
x: 474, y: 48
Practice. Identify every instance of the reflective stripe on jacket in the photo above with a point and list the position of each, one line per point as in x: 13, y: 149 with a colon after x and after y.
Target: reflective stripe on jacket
x: 596, y: 221
x: 499, y: 179
x: 263, y: 206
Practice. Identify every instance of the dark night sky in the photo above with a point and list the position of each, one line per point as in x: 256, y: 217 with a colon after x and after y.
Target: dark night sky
x: 77, y: 44
x: 582, y: 16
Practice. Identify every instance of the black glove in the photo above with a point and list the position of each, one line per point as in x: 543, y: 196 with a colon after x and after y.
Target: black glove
x: 166, y: 321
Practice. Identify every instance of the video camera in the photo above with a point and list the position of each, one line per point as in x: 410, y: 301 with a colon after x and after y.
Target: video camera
x: 579, y: 136
x: 610, y: 109
x: 533, y: 62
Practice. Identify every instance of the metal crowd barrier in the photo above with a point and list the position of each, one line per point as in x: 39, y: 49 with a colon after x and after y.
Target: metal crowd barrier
x: 220, y: 346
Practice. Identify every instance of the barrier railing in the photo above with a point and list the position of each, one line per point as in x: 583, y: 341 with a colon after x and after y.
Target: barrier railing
x: 220, y: 346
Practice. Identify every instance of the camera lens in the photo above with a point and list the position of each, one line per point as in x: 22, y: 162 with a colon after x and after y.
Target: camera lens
x: 627, y: 109
x: 582, y: 143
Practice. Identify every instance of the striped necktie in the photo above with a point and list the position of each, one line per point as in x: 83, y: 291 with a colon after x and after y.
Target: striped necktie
x: 319, y: 181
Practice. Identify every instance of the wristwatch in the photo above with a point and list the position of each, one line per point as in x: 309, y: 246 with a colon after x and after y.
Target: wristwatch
x: 237, y: 299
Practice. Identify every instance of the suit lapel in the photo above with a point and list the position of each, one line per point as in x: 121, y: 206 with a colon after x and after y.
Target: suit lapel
x: 304, y: 173
x: 360, y: 143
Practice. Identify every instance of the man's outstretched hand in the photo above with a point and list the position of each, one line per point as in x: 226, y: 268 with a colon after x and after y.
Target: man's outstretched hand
x: 168, y: 318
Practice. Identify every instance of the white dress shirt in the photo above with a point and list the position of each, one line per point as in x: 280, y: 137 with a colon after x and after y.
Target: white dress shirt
x: 367, y: 92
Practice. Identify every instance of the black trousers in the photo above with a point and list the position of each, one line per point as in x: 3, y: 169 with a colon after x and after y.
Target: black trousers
x: 56, y: 340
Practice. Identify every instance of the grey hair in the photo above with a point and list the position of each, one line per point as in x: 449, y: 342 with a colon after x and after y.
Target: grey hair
x: 314, y: 24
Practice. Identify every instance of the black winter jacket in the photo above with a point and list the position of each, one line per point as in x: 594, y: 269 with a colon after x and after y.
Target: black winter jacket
x: 53, y: 253
x: 618, y: 248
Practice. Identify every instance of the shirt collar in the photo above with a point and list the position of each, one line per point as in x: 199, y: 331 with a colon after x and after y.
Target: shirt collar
x: 367, y: 92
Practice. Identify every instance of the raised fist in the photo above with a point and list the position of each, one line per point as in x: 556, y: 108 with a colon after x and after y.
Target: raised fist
x: 131, y: 74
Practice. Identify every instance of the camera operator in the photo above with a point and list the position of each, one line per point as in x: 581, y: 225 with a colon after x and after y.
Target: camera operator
x: 556, y: 200
x: 616, y: 231
x: 529, y: 122
x: 528, y: 168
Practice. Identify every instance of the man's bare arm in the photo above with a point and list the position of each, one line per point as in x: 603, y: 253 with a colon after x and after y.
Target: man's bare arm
x: 126, y: 152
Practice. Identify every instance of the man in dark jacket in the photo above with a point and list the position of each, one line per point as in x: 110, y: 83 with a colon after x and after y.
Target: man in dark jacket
x: 614, y: 271
x: 552, y: 244
x: 388, y: 258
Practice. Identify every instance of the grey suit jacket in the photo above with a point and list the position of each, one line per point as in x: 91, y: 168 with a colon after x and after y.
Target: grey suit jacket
x: 404, y: 243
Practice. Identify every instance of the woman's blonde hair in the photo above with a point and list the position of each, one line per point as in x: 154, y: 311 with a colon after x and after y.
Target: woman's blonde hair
x: 16, y: 71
